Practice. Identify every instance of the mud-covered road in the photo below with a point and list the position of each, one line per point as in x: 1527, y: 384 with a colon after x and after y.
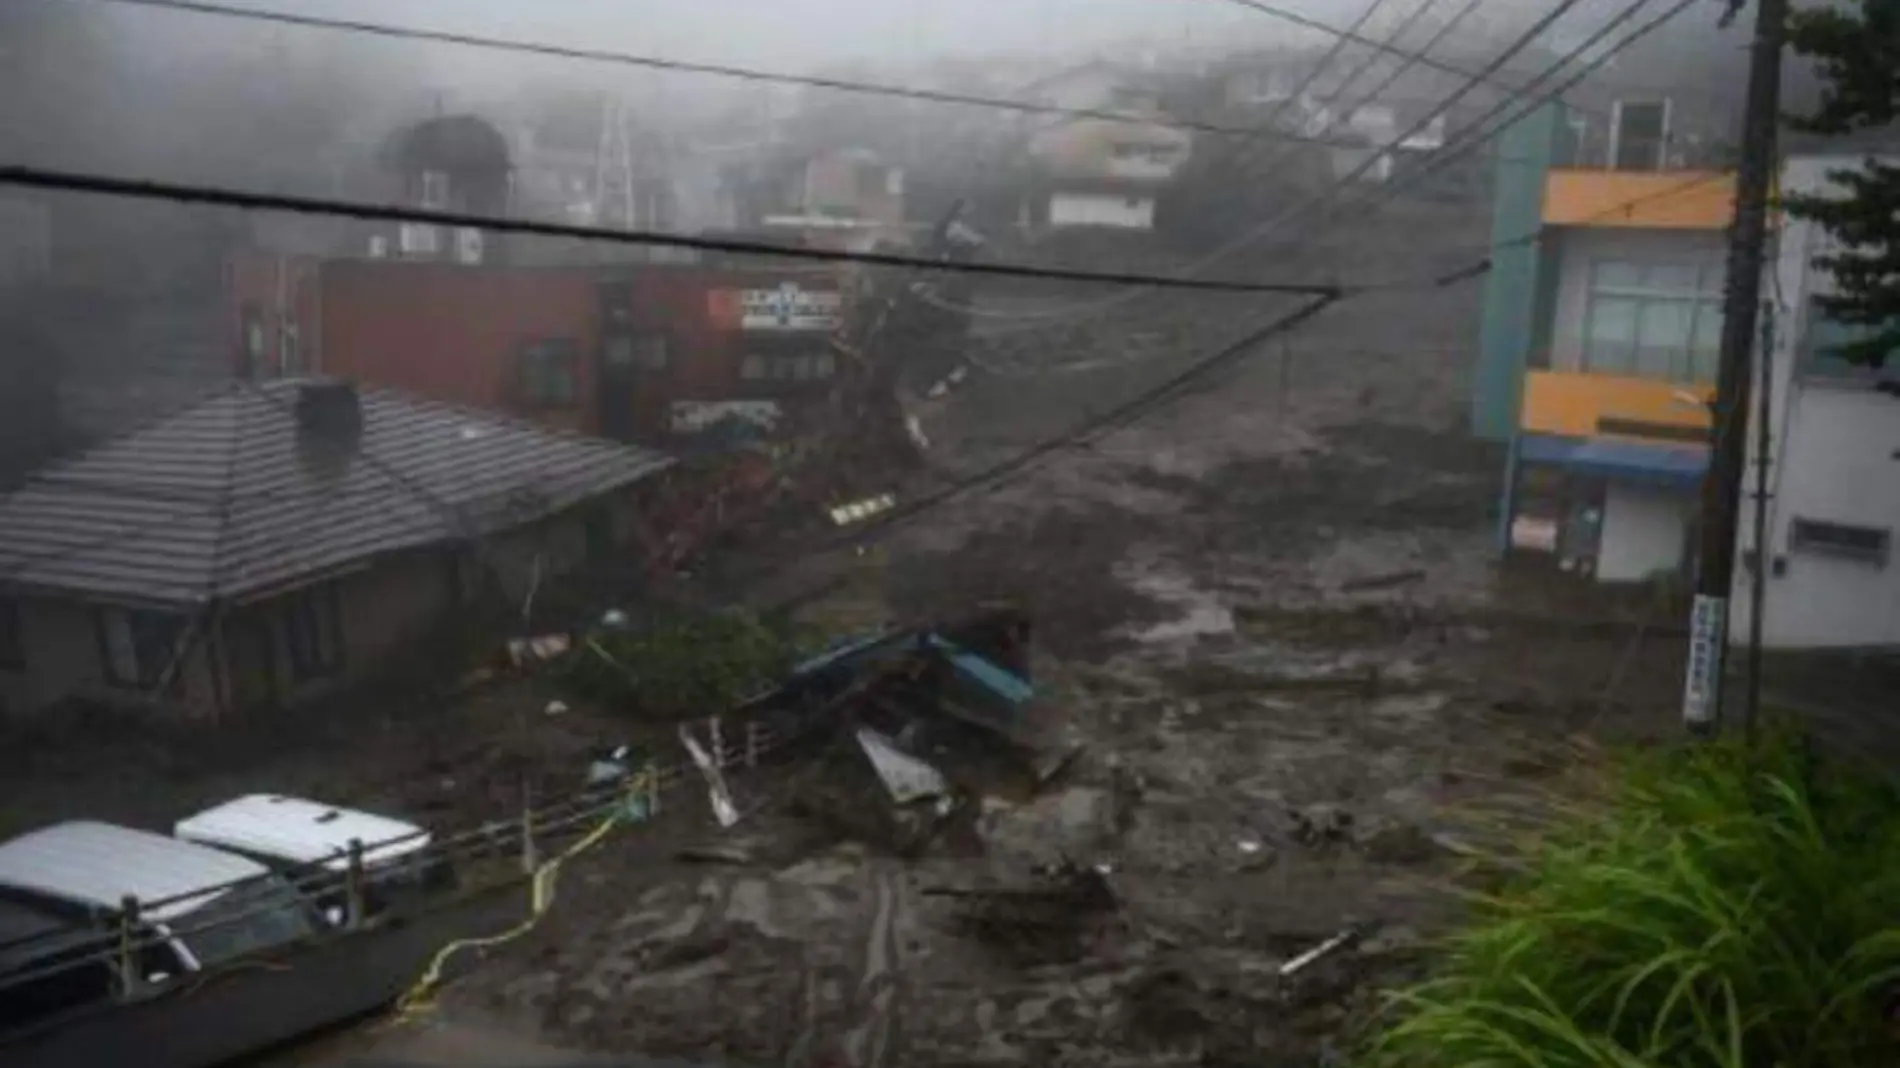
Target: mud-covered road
x: 1270, y: 618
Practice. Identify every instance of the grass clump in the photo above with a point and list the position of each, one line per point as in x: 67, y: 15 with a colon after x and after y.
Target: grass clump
x: 1735, y: 905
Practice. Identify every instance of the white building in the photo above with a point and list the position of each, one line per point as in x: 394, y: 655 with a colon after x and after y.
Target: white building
x: 1834, y: 471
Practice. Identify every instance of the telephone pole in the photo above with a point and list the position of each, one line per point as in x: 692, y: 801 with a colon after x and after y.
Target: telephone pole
x: 1722, y: 487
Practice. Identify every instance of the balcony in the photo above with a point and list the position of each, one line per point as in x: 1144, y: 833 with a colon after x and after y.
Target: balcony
x: 1574, y: 405
x: 1654, y: 200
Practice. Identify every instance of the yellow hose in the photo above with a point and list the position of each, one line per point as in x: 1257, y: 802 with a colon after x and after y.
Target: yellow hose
x: 420, y: 998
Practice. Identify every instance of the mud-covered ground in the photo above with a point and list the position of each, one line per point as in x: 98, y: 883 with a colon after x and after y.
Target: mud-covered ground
x: 1270, y: 617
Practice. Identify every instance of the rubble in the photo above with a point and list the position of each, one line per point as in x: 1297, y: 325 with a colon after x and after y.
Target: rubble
x: 1056, y: 916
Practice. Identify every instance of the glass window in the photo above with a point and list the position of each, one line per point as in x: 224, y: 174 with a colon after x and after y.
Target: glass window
x: 435, y: 190
x: 313, y: 632
x: 1655, y: 320
x: 549, y: 374
x: 752, y: 368
x: 258, y: 915
x: 1868, y: 545
x: 1612, y: 275
x: 1824, y: 345
x: 12, y: 641
x: 653, y: 353
x: 138, y: 649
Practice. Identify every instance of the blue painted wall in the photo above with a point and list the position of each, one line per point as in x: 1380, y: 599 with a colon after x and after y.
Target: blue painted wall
x: 1514, y: 289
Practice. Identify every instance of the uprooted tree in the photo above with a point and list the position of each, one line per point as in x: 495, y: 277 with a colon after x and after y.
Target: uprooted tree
x: 1856, y: 48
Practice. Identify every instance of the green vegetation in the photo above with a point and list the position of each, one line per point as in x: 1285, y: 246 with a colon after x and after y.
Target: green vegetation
x: 681, y: 666
x: 1729, y: 906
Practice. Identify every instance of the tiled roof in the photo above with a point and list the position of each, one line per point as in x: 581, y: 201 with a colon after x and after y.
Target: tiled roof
x: 225, y: 497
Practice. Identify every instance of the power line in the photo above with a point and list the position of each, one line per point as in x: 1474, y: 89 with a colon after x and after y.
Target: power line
x: 1474, y: 137
x: 1389, y: 48
x: 184, y: 193
x: 1325, y: 61
x: 1340, y: 185
x: 719, y: 70
x: 1469, y: 142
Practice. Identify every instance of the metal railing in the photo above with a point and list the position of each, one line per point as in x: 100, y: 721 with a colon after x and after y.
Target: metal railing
x: 133, y: 934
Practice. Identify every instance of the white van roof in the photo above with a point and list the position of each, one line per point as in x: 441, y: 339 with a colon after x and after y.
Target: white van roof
x: 301, y: 832
x: 98, y: 864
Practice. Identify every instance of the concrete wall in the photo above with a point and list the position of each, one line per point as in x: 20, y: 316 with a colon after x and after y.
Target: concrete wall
x: 1578, y: 248
x: 1102, y: 209
x: 1644, y: 532
x: 1832, y: 459
x: 1511, y: 288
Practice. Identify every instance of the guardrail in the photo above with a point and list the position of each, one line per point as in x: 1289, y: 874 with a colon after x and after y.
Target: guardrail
x: 121, y: 948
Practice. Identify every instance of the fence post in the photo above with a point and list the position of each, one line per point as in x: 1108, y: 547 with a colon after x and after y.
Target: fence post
x: 653, y: 790
x: 129, y: 977
x: 353, y: 894
x: 751, y: 743
x: 529, y: 859
x: 718, y: 742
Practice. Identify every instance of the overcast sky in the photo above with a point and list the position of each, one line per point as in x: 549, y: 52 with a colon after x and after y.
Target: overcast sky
x: 803, y: 33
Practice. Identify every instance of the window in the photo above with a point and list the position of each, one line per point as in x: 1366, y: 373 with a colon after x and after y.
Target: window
x: 549, y: 371
x: 1868, y: 545
x: 435, y: 190
x: 253, y: 338
x: 650, y: 353
x: 1824, y: 342
x: 313, y: 632
x: 1639, y: 132
x: 418, y: 239
x: 801, y: 367
x: 289, y: 350
x: 1654, y: 320
x: 12, y: 640
x: 139, y: 649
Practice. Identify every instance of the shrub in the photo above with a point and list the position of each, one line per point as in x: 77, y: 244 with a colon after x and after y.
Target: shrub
x: 679, y: 666
x: 1726, y: 906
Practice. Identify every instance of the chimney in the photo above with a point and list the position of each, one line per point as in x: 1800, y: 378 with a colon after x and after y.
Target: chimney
x: 329, y: 421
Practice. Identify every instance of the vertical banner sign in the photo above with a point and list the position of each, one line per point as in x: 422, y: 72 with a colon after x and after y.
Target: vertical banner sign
x: 1702, y: 688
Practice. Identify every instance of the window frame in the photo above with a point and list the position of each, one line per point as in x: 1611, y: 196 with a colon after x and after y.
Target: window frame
x: 311, y: 620
x: 1836, y: 371
x: 1803, y: 539
x: 434, y: 190
x: 145, y: 676
x: 12, y: 634
x: 533, y: 361
x: 1694, y: 362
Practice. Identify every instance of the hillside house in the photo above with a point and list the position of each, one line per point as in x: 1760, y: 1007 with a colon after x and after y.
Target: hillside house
x: 280, y: 541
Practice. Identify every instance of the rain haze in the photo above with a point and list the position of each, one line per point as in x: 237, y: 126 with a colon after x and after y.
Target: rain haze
x: 900, y: 533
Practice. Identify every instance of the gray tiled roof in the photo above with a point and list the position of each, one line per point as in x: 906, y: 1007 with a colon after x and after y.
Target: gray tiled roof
x: 222, y: 498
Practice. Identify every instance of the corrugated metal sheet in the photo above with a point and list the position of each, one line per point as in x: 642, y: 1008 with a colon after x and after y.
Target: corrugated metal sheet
x: 223, y: 498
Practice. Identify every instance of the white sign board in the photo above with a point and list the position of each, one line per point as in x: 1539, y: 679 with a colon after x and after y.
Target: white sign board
x: 692, y: 417
x: 789, y: 307
x: 1708, y: 626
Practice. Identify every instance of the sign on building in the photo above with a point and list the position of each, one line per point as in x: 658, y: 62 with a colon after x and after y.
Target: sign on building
x: 786, y: 307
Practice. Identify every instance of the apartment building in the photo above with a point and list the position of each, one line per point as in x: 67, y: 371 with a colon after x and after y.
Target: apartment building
x: 1601, y: 325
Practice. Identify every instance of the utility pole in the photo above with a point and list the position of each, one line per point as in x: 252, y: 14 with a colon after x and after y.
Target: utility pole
x: 1722, y: 487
